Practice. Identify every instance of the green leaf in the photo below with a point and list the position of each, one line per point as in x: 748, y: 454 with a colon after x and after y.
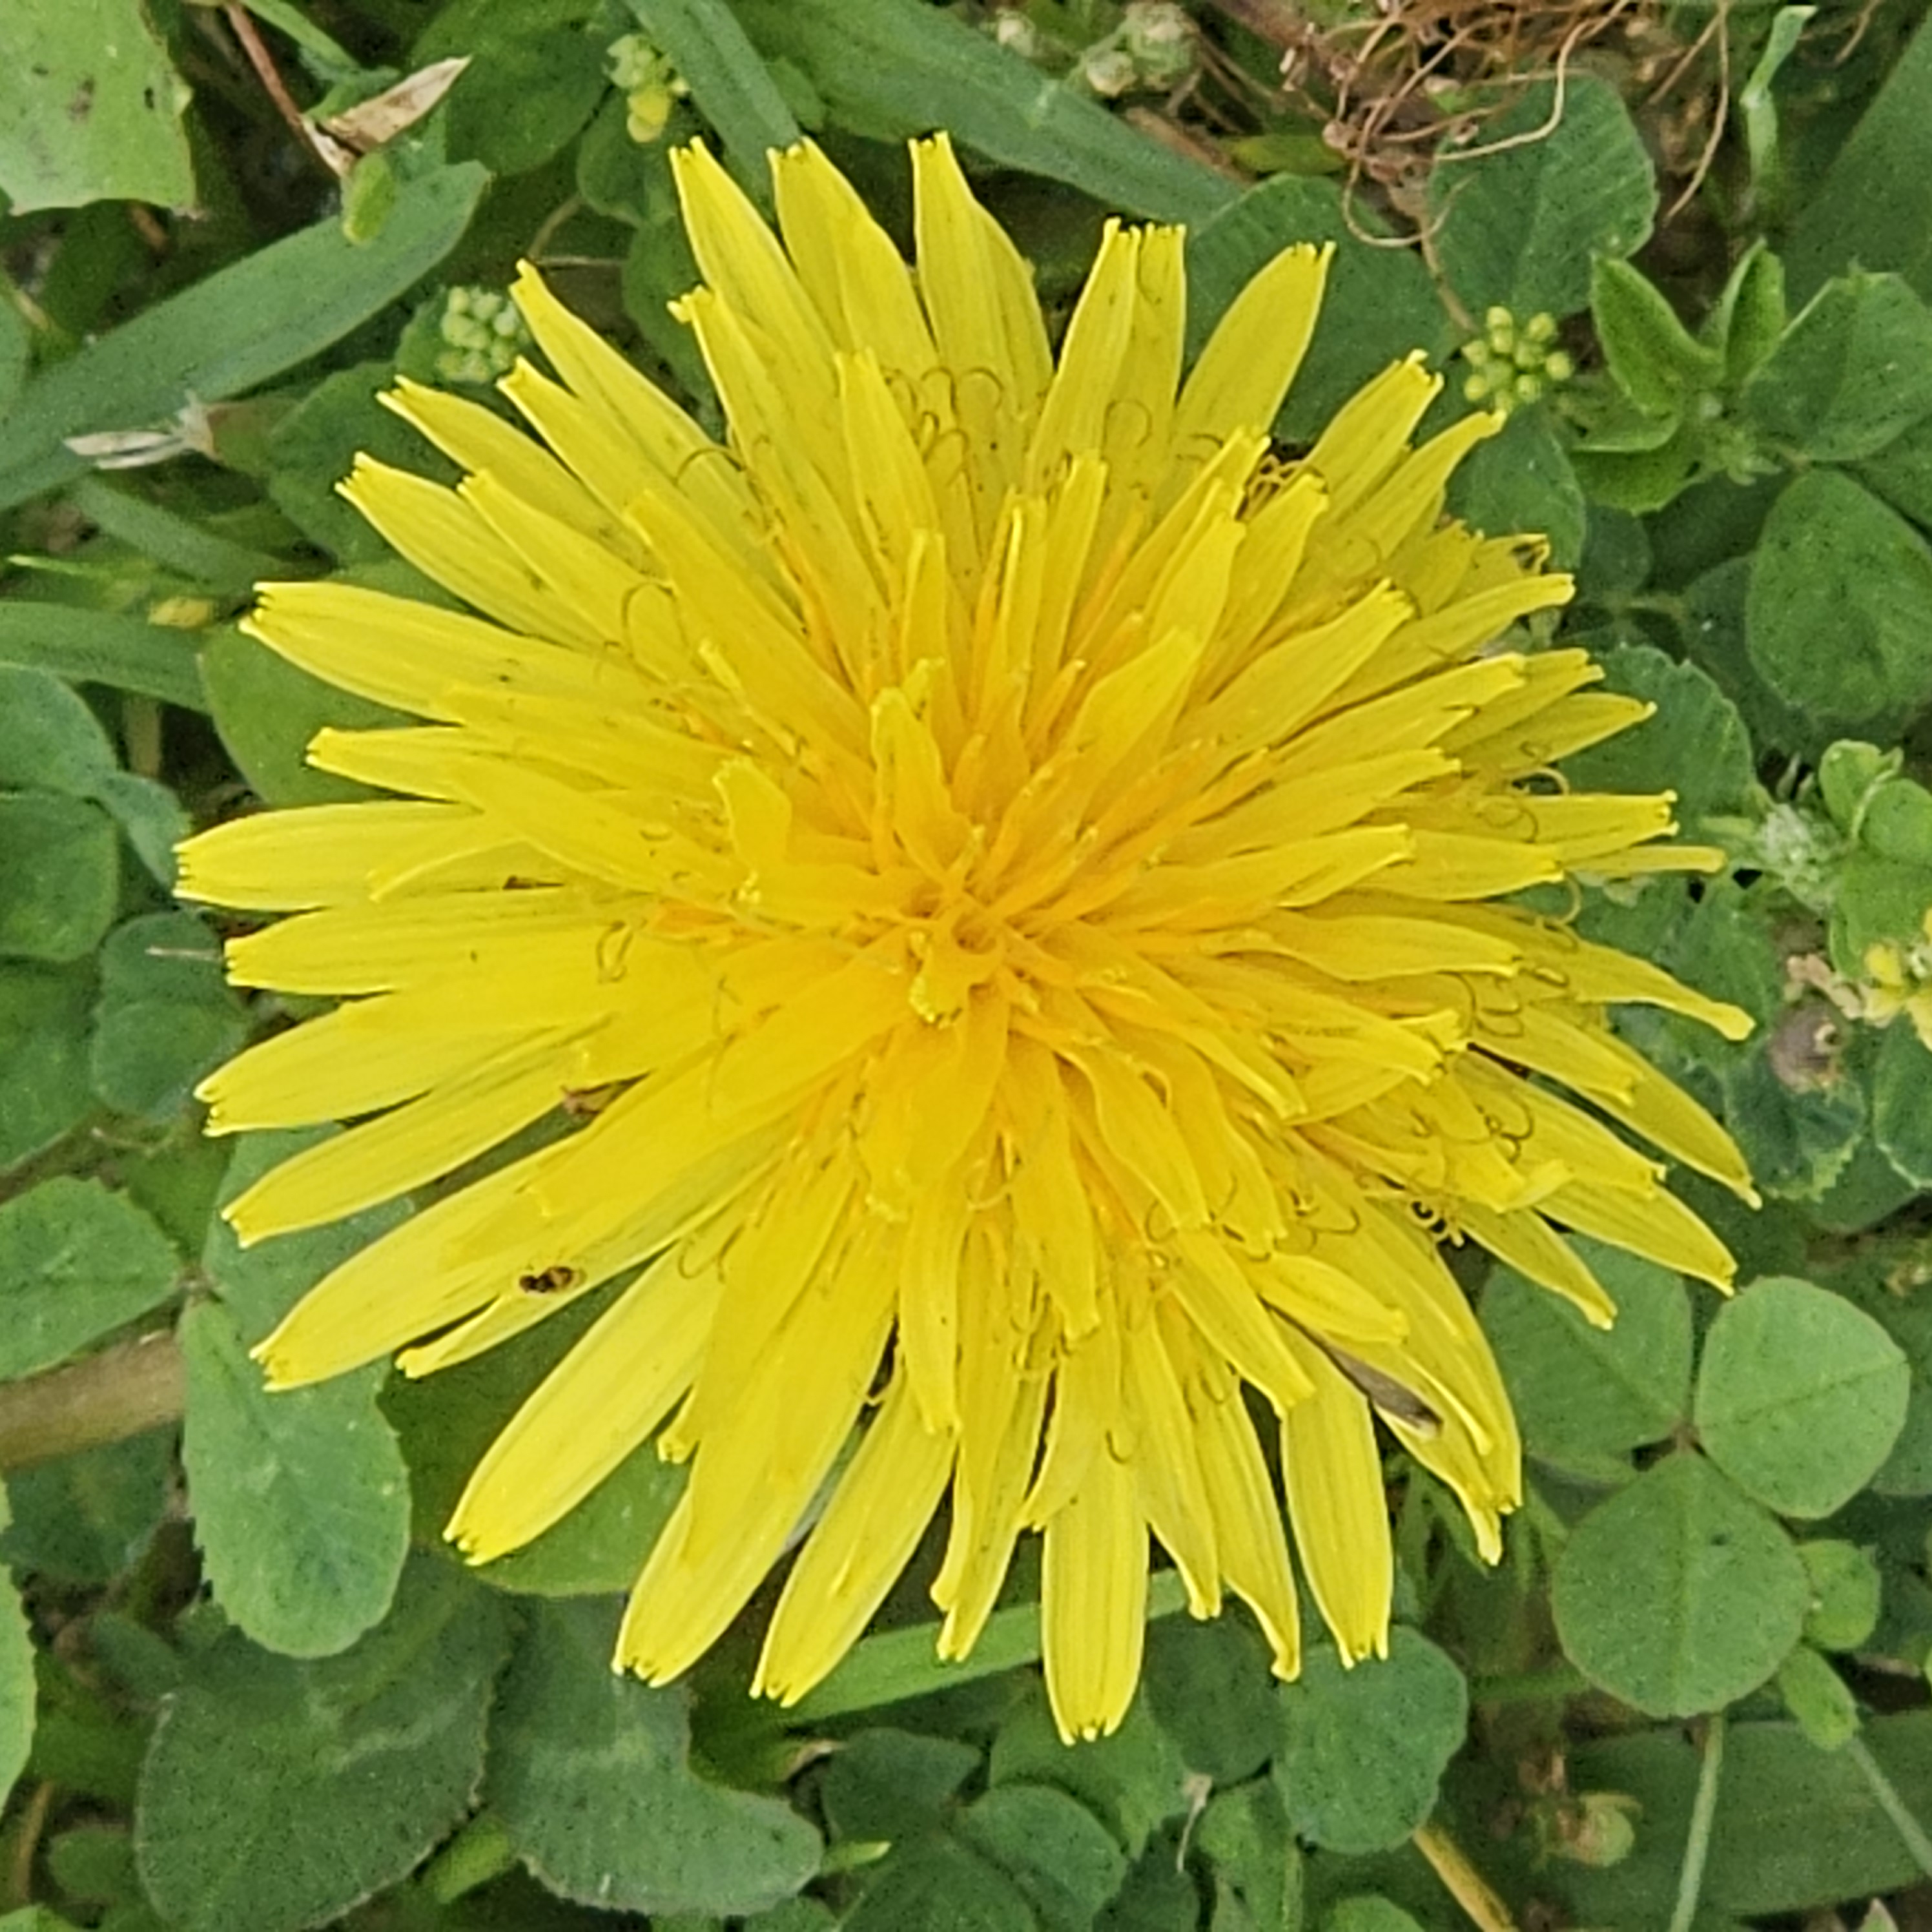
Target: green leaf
x: 1211, y: 1689
x: 60, y: 876
x: 1800, y: 1396
x: 1816, y: 1697
x: 1059, y: 1856
x: 1874, y: 206
x: 939, y: 1885
x: 166, y: 1015
x: 277, y: 1794
x: 84, y: 1519
x: 180, y: 543
x: 1678, y: 1595
x: 727, y: 80
x: 1379, y: 304
x: 1907, y: 1319
x: 97, y: 647
x: 1846, y: 1588
x: 1696, y: 745
x: 1652, y: 470
x: 1750, y: 314
x: 885, y: 1785
x: 1839, y: 614
x: 43, y: 1017
x: 1901, y: 473
x: 301, y: 1499
x: 1522, y: 480
x: 49, y: 740
x: 267, y: 709
x: 1363, y: 1749
x: 528, y: 91
x: 1757, y: 108
x: 1136, y: 1779
x: 16, y: 1690
x: 1901, y: 1103
x: 75, y: 1263
x: 1585, y: 1397
x: 589, y: 1771
x: 151, y: 819
x: 1796, y: 1828
x: 232, y: 331
x: 891, y: 68
x: 1654, y: 358
x: 1245, y: 1831
x: 1851, y: 374
x: 1521, y: 226
x: 90, y: 110
x: 1364, y: 1914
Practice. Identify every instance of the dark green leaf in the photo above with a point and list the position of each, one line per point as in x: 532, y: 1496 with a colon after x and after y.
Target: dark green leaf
x: 1586, y: 1396
x: 90, y: 110
x: 1695, y: 745
x: 1839, y: 617
x: 1362, y: 1914
x: 884, y: 1785
x: 1656, y: 360
x: 1245, y: 1832
x: 1379, y: 304
x: 938, y: 1885
x: 1363, y: 1750
x: 49, y: 740
x: 16, y: 1689
x: 1057, y: 1854
x: 1521, y: 226
x: 1800, y: 1396
x: 84, y: 1518
x: 1901, y: 1103
x: 277, y: 1794
x: 97, y: 647
x: 1677, y: 1594
x: 589, y: 1772
x: 232, y: 331
x: 76, y: 1262
x: 1901, y: 473
x: 1852, y: 373
x: 727, y: 80
x: 1521, y: 480
x: 1750, y: 314
x: 891, y: 68
x: 166, y: 1016
x: 60, y: 875
x: 43, y: 1016
x: 1210, y: 1688
x: 529, y: 88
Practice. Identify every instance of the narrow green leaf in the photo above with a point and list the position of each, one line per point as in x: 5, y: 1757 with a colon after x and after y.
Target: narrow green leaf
x: 76, y: 1262
x: 97, y: 647
x: 231, y: 331
x: 1657, y: 361
x: 181, y: 543
x: 90, y: 110
x: 727, y: 79
x: 1757, y: 108
x: 891, y: 68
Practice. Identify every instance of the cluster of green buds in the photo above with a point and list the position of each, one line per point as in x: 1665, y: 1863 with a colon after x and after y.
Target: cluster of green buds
x: 1511, y: 364
x: 1150, y: 49
x: 482, y: 336
x: 651, y: 86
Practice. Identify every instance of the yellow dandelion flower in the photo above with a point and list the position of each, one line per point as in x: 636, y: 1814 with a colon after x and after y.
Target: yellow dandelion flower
x: 1026, y: 872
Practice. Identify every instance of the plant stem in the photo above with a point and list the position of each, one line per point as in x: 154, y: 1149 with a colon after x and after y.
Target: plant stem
x: 1461, y: 1880
x: 1697, y: 1846
x: 1530, y: 1687
x: 1894, y: 1806
x: 124, y: 1391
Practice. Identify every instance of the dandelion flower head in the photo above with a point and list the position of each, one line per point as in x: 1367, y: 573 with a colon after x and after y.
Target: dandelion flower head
x: 1024, y: 875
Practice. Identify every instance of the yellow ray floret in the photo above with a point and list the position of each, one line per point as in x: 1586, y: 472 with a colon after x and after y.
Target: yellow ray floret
x: 991, y: 885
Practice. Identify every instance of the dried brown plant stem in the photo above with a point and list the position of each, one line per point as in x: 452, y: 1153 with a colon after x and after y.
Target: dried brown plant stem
x: 263, y: 62
x: 123, y: 1391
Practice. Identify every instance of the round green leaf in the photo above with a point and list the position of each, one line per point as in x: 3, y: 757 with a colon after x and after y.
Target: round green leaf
x: 1057, y: 1854
x: 1901, y: 1103
x: 884, y: 1785
x: 1677, y: 1594
x: 49, y: 740
x: 1210, y: 1687
x: 1585, y: 1397
x: 1800, y: 1397
x: 60, y: 873
x: 277, y: 1794
x: 1365, y: 1913
x: 1363, y: 1749
x: 76, y: 1262
x: 590, y: 1772
x: 1846, y: 1590
x: 1838, y: 617
x: 44, y: 1017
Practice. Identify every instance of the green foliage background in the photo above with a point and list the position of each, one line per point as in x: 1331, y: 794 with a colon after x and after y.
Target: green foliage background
x: 246, y: 1686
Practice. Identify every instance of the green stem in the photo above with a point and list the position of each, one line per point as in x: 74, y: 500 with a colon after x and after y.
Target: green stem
x: 124, y: 1391
x: 1697, y: 1846
x: 1894, y: 1806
